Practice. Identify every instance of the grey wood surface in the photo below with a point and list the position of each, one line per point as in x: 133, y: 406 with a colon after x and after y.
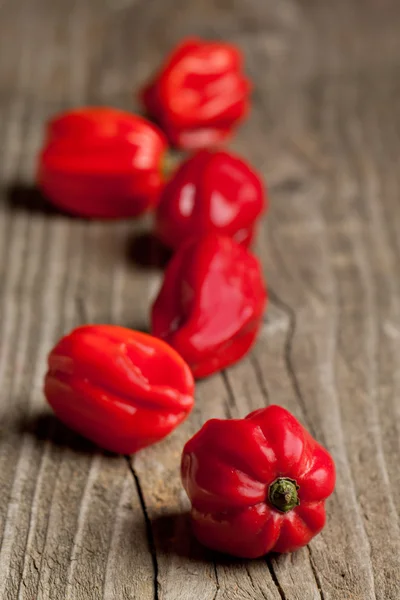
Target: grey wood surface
x: 77, y: 524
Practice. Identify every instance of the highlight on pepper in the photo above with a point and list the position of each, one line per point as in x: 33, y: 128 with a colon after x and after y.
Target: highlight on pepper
x: 211, y: 303
x: 100, y: 162
x: 258, y: 484
x: 212, y: 191
x: 200, y: 93
x: 119, y: 388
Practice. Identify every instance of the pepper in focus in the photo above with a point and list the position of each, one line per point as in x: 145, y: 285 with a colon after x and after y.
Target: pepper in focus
x: 211, y: 303
x: 200, y: 93
x: 212, y: 191
x: 119, y: 388
x: 258, y: 484
x: 102, y: 163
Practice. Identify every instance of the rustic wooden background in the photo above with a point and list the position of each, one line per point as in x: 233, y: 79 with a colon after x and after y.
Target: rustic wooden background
x: 77, y: 524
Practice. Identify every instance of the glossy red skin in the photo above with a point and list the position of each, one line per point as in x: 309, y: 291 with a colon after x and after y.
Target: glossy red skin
x: 200, y: 93
x: 102, y: 163
x: 227, y: 468
x: 213, y: 191
x: 122, y: 389
x: 211, y: 303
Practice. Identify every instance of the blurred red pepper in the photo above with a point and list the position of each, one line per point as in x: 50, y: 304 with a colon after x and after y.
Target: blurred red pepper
x: 102, y: 163
x: 199, y: 94
x: 257, y: 484
x: 211, y: 192
x: 122, y: 389
x: 211, y: 303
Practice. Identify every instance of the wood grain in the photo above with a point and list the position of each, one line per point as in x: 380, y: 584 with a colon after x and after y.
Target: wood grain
x: 325, y: 132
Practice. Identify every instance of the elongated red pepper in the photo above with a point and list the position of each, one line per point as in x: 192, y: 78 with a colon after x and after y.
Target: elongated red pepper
x: 200, y: 94
x: 211, y: 192
x: 102, y: 163
x: 258, y: 484
x: 122, y: 389
x: 211, y: 303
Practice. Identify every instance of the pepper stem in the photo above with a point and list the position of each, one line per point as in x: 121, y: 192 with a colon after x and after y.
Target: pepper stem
x: 169, y: 164
x: 282, y: 494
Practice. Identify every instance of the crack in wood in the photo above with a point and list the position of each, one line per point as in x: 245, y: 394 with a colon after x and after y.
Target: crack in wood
x: 253, y: 583
x: 81, y: 309
x: 228, y: 406
x: 315, y: 573
x: 37, y: 568
x: 149, y: 530
x: 216, y: 582
x: 275, y: 579
x: 291, y: 315
x: 260, y: 379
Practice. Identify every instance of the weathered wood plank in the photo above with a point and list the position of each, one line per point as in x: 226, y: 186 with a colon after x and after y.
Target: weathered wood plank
x: 64, y: 506
x: 77, y: 523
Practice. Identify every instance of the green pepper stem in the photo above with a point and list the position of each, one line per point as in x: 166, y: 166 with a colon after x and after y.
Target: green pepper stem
x: 170, y: 163
x: 282, y: 494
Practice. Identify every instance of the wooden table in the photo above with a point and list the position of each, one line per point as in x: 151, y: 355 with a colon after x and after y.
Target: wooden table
x: 77, y: 524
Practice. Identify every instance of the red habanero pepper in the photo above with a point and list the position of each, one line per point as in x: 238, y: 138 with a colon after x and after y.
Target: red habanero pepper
x: 122, y: 389
x: 211, y: 303
x: 102, y: 163
x: 199, y: 94
x: 258, y: 484
x: 210, y: 192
